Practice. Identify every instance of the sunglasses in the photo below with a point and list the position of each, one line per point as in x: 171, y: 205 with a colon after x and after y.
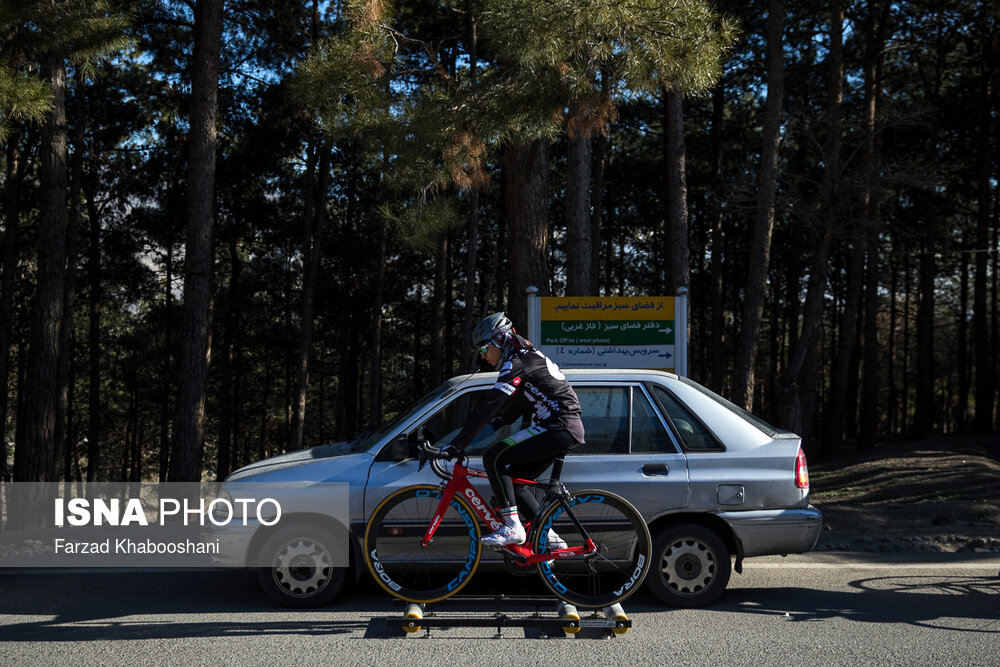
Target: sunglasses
x: 483, y: 349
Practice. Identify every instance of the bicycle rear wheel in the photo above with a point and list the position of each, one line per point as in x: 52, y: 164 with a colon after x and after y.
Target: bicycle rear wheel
x: 621, y: 561
x: 401, y: 565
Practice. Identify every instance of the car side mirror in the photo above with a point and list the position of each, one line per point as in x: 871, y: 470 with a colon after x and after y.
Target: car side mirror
x: 399, y: 449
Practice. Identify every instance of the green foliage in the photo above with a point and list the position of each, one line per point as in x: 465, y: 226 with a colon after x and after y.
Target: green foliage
x: 408, y: 87
x: 342, y: 82
x: 82, y: 31
x: 643, y: 45
x: 22, y: 98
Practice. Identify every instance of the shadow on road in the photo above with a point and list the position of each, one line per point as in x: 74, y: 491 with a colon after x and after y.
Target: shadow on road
x: 97, y: 605
x: 940, y: 602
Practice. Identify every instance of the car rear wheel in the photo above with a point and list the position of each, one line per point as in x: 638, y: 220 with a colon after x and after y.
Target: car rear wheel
x: 301, y: 573
x: 691, y: 566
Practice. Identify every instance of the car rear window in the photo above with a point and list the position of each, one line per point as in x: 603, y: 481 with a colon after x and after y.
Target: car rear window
x: 756, y: 421
x: 689, y: 429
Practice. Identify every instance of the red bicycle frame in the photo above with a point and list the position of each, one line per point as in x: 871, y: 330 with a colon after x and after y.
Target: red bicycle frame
x: 523, y: 553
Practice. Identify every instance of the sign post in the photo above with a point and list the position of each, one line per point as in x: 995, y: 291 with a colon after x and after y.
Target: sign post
x: 611, y: 332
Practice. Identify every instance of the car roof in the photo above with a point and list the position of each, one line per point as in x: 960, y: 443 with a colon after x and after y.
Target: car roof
x: 626, y: 374
x: 727, y: 421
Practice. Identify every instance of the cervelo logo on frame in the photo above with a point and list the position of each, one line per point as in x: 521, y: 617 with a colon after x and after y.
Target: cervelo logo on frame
x: 482, y: 508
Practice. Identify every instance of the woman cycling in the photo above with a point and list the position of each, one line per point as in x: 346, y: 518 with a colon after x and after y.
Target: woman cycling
x: 527, y: 381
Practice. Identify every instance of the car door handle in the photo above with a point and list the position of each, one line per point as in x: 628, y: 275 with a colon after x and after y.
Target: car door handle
x: 655, y: 469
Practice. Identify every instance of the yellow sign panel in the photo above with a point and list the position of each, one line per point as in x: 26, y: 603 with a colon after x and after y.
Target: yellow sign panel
x: 607, y: 308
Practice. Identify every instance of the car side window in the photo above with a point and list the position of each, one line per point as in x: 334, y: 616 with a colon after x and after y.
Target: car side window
x: 648, y: 434
x: 605, y: 413
x: 692, y: 433
x: 605, y: 420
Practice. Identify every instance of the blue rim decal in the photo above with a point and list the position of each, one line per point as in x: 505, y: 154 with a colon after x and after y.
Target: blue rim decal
x: 470, y: 523
x: 546, y: 566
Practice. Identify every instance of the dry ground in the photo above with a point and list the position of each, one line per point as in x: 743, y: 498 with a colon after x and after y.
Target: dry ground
x: 939, y: 494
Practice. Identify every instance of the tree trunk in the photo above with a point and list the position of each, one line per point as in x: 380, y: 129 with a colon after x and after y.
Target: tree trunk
x: 678, y: 273
x: 375, y: 364
x: 995, y: 301
x: 983, y: 351
x: 60, y: 444
x: 892, y: 399
x: 229, y: 406
x: 597, y: 213
x: 874, y: 57
x: 961, y: 408
x: 871, y: 375
x: 578, y: 242
x: 715, y: 334
x: 166, y: 362
x: 905, y: 423
x: 468, y: 362
x: 12, y: 213
x: 839, y: 375
x: 760, y: 240
x: 468, y: 359
x: 93, y: 339
x: 526, y: 195
x: 37, y: 422
x: 439, y: 301
x: 196, y: 341
x: 796, y: 391
x: 923, y: 417
x: 311, y: 244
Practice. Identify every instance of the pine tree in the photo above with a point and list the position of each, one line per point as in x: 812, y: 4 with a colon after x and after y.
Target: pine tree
x: 76, y: 32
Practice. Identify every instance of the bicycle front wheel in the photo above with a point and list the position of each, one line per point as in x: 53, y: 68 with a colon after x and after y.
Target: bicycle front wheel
x: 619, y: 564
x: 416, y: 573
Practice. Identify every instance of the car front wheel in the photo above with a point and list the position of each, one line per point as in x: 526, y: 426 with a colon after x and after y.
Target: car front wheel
x: 301, y: 572
x: 690, y: 566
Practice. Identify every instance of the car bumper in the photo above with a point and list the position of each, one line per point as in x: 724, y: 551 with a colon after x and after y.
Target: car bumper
x: 775, y: 532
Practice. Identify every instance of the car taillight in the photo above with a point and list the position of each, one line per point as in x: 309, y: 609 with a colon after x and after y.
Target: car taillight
x: 801, y: 471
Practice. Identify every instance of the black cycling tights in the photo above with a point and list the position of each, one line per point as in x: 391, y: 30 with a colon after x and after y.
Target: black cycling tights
x: 525, y: 454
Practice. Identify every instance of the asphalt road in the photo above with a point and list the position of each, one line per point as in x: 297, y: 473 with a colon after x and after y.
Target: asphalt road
x: 822, y: 608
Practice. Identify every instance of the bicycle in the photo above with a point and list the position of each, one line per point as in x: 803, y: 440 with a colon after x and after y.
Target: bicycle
x: 422, y: 542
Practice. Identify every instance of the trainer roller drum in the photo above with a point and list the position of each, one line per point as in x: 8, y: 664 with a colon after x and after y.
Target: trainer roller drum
x: 414, y: 612
x: 568, y: 612
x: 616, y: 613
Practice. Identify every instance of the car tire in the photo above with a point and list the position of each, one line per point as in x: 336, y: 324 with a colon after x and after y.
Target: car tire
x: 301, y: 573
x: 691, y: 566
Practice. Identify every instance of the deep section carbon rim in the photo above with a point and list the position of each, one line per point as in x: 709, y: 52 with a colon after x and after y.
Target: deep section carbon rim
x: 622, y: 558
x: 409, y: 571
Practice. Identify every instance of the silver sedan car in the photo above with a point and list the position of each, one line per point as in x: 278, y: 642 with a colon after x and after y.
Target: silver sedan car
x: 714, y: 483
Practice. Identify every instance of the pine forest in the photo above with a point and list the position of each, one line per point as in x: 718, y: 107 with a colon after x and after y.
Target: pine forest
x: 234, y: 228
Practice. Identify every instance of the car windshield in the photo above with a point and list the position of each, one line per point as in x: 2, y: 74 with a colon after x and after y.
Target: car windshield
x: 759, y: 423
x: 365, y: 441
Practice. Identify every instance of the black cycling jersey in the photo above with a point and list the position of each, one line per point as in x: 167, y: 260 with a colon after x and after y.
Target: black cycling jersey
x: 533, y: 383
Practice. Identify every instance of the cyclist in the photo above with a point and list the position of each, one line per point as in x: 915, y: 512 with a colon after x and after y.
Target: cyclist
x: 528, y: 382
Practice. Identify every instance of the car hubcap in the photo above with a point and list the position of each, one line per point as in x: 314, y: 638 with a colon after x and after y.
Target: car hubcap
x: 687, y: 566
x: 302, y: 567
